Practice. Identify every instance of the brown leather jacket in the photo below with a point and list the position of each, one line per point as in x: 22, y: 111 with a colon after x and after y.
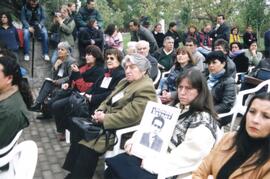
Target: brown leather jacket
x: 219, y: 156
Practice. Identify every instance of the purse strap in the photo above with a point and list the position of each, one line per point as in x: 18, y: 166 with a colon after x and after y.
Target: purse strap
x: 109, y: 134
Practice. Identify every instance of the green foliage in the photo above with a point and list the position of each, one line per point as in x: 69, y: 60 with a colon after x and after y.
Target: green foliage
x: 184, y: 12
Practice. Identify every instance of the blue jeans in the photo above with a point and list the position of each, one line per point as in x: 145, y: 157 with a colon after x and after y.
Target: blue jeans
x: 44, y: 41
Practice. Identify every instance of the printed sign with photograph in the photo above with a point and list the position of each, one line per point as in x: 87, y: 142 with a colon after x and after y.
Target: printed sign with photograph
x: 155, y: 129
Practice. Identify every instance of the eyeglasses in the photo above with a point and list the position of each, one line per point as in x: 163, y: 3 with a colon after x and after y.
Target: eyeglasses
x: 189, y: 45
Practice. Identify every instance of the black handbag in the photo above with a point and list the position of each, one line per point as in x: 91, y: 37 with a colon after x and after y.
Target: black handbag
x: 88, y: 130
x: 79, y: 105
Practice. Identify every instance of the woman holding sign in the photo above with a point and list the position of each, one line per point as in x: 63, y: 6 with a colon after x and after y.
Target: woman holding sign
x: 122, y: 108
x: 195, y: 133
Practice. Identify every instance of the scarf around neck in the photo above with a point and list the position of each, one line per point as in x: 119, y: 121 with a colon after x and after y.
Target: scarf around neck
x: 214, y: 78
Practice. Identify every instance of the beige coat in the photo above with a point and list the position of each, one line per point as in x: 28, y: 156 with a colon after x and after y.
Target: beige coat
x: 219, y: 156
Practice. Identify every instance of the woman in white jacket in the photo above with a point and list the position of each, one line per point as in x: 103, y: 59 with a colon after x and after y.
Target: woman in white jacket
x: 194, y: 136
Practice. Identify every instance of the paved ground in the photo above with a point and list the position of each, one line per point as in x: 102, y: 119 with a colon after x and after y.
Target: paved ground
x: 51, y: 152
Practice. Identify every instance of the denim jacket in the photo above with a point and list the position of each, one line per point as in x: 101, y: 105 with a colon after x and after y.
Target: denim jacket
x: 26, y: 16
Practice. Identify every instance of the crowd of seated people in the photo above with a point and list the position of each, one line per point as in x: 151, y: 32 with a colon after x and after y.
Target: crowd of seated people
x: 117, y: 83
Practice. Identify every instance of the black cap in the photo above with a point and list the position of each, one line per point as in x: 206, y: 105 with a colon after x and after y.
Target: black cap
x: 215, y: 55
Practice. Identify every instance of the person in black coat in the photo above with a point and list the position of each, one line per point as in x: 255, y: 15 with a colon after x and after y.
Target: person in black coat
x: 238, y: 56
x: 103, y: 87
x: 220, y: 83
x: 90, y: 36
x: 221, y: 30
x: 158, y: 34
x: 172, y: 31
x: 248, y: 37
x: 138, y: 32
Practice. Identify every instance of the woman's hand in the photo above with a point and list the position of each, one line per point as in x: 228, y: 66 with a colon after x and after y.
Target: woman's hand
x: 57, y: 64
x: 75, y: 68
x: 128, y: 146
x: 65, y: 86
x: 98, y: 116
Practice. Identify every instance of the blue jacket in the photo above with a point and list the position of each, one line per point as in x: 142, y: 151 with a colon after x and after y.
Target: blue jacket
x: 10, y: 37
x: 26, y: 16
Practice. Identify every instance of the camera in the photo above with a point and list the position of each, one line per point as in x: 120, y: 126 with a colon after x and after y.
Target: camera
x: 57, y: 14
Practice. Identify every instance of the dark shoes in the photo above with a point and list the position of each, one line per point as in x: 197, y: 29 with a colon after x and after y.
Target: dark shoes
x: 36, y: 107
x: 43, y: 117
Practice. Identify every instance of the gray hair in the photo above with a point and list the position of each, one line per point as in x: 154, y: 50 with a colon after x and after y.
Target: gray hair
x: 167, y: 38
x: 65, y: 45
x: 140, y: 61
x: 143, y: 43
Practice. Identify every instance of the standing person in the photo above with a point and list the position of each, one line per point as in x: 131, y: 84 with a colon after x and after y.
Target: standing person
x: 143, y: 48
x: 33, y: 20
x: 249, y: 36
x: 172, y: 31
x: 64, y: 25
x: 123, y: 108
x: 165, y: 55
x: 138, y: 32
x: 9, y: 34
x: 113, y: 38
x: 245, y: 153
x: 234, y: 35
x: 14, y: 100
x: 221, y: 30
x: 158, y: 34
x: 195, y: 133
x: 86, y: 13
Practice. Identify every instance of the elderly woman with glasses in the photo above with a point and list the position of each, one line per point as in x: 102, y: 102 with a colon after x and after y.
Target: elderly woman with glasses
x: 123, y: 108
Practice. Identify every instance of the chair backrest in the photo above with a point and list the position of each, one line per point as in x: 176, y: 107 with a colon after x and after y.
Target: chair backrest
x: 240, y: 107
x: 11, y: 144
x: 157, y: 77
x: 119, y: 133
x: 22, y: 161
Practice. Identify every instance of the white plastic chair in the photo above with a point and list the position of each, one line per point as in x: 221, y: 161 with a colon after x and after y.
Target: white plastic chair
x: 11, y: 144
x: 239, y: 107
x: 119, y: 133
x: 157, y: 78
x: 22, y: 161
